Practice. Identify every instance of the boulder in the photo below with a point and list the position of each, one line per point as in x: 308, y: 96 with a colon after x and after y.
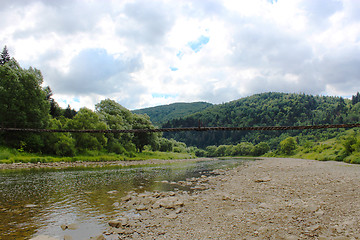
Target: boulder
x: 169, y: 202
x: 116, y: 223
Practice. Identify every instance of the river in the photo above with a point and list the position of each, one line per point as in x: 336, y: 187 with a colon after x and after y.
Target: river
x: 37, y: 202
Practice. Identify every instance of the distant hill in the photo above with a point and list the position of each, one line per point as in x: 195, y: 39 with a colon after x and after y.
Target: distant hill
x: 266, y: 109
x: 162, y: 114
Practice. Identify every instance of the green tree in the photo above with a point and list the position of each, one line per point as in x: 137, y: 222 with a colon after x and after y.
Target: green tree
x: 5, y: 57
x: 143, y: 138
x: 23, y: 104
x: 211, y: 151
x: 260, y: 149
x: 288, y: 145
x: 61, y: 144
x: 166, y: 145
x: 220, y: 151
x: 116, y: 117
x: 87, y: 119
x: 69, y: 113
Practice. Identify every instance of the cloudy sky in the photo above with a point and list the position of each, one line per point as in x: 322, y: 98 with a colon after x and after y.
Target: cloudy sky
x: 144, y: 53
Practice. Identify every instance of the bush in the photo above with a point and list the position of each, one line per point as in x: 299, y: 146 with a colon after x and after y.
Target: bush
x: 288, y: 145
x: 260, y: 149
x: 65, y: 146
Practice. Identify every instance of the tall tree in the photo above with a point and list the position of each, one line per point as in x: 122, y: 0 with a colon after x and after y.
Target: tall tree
x: 5, y: 57
x: 87, y: 119
x: 116, y: 117
x: 23, y: 104
x: 143, y: 138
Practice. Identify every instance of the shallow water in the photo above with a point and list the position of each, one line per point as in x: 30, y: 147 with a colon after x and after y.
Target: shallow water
x: 36, y: 202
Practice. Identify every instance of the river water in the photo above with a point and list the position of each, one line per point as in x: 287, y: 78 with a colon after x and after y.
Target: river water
x: 38, y: 202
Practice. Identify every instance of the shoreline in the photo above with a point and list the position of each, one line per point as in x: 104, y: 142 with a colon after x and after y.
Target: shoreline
x: 276, y: 198
x: 64, y: 165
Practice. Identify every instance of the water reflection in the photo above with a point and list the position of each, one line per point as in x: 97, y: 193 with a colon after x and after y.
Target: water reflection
x: 34, y: 202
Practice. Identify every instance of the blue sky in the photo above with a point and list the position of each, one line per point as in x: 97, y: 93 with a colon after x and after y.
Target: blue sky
x: 145, y: 53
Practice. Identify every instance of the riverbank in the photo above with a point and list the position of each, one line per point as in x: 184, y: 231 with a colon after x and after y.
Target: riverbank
x: 62, y: 165
x: 269, y: 199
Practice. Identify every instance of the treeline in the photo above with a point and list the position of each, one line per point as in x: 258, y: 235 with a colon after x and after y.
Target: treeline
x: 268, y: 109
x: 161, y: 114
x: 24, y: 103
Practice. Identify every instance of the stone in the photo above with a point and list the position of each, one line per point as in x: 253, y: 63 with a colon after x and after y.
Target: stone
x: 30, y: 205
x: 170, y: 202
x: 171, y: 216
x: 73, y: 226
x: 126, y: 198
x: 314, y: 227
x: 63, y: 227
x: 112, y: 192
x: 264, y: 179
x: 319, y: 212
x: 43, y: 237
x: 116, y: 223
x: 100, y: 237
x: 141, y: 207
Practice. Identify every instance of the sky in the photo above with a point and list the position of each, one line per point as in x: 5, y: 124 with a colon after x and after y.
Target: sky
x: 144, y: 53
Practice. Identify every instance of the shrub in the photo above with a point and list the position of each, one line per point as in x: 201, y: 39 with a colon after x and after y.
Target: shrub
x: 288, y: 145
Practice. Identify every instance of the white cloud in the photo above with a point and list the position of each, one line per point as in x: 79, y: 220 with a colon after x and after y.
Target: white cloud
x: 145, y: 53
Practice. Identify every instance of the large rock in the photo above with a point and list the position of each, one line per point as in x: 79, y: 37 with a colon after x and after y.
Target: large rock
x: 116, y: 223
x: 169, y: 203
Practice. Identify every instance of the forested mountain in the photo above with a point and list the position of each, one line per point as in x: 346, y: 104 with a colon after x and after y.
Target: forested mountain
x: 267, y: 109
x: 161, y: 114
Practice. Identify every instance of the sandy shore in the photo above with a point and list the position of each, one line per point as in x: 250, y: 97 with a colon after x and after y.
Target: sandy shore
x: 268, y: 199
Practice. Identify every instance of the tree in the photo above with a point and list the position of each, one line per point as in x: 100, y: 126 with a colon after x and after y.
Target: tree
x: 288, y: 145
x: 5, y: 57
x: 116, y: 117
x: 55, y: 109
x: 87, y: 119
x: 261, y: 149
x: 143, y: 138
x: 23, y: 104
x: 69, y: 113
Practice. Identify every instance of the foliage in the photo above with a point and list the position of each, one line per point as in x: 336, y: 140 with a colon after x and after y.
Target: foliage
x: 266, y: 109
x: 87, y: 119
x: 23, y: 104
x: 161, y: 114
x: 5, y: 57
x: 143, y: 138
x: 288, y: 145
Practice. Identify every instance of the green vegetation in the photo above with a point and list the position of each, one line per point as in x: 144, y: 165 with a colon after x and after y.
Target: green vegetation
x: 24, y: 103
x: 267, y: 109
x: 161, y: 114
x: 10, y: 155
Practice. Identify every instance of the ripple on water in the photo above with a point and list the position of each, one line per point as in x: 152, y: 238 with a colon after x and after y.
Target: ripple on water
x: 39, y: 202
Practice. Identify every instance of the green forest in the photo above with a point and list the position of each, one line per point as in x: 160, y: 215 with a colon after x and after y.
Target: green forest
x: 26, y: 103
x: 275, y: 109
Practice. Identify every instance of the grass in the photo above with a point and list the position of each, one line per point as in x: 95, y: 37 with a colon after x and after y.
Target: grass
x: 8, y: 155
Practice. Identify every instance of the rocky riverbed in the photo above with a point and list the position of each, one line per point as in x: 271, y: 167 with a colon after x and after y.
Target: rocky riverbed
x: 269, y: 199
x: 61, y: 165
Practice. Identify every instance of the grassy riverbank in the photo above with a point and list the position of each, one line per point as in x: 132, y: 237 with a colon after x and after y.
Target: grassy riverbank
x: 8, y: 155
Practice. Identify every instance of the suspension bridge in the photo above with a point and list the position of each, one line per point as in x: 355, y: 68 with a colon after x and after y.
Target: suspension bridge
x: 199, y: 128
